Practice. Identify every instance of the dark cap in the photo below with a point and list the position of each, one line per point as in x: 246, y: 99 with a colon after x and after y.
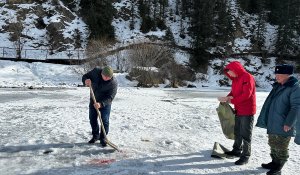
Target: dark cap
x: 284, y: 69
x: 107, y: 71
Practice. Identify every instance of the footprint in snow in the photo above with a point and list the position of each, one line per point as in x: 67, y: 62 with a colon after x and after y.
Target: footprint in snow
x: 168, y: 142
x: 184, y: 126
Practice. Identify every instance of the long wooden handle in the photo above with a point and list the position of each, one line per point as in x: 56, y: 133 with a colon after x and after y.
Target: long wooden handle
x: 98, y: 112
x: 101, y: 122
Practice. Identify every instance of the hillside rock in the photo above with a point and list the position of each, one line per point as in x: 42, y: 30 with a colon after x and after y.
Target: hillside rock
x: 43, y: 24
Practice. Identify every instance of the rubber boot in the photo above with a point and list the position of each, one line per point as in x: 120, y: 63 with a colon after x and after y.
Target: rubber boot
x: 269, y: 165
x: 276, y: 170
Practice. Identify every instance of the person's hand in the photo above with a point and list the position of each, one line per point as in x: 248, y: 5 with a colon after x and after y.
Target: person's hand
x: 225, y: 99
x: 97, y: 105
x: 286, y: 128
x: 88, y: 82
x: 229, y: 99
x: 222, y: 99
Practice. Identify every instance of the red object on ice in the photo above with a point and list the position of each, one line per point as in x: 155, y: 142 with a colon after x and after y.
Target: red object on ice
x: 101, y: 161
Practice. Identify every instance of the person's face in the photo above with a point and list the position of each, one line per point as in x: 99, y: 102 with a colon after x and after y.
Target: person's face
x: 231, y: 73
x: 105, y: 78
x: 282, y: 78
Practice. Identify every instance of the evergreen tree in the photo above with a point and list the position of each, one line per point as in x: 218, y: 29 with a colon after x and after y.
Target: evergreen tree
x: 169, y: 36
x: 162, y: 9
x: 249, y: 6
x: 177, y: 5
x: 259, y: 39
x: 223, y: 27
x: 155, y: 16
x: 144, y: 10
x: 98, y: 14
x: 131, y: 25
x: 287, y: 26
x: 202, y: 30
x: 276, y: 10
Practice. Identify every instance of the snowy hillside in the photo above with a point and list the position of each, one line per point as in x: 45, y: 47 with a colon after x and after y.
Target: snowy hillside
x: 40, y: 19
x: 44, y: 27
x: 67, y: 25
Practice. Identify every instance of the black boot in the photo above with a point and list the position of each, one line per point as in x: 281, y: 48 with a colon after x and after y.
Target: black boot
x: 276, y: 170
x: 242, y: 161
x: 93, y: 140
x: 269, y: 165
x: 103, y: 143
x: 233, y: 153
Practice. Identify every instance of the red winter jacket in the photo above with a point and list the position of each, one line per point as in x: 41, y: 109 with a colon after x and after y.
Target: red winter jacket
x: 242, y: 89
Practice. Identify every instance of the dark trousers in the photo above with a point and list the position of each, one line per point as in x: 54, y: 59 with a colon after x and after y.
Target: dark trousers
x: 105, y: 112
x: 243, y: 133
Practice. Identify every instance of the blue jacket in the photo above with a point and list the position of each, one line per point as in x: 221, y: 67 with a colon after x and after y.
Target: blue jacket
x: 105, y: 91
x: 297, y: 138
x: 282, y: 107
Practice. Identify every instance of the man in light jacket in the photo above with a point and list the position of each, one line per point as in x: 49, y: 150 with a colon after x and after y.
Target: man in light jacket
x: 243, y: 97
x: 278, y: 115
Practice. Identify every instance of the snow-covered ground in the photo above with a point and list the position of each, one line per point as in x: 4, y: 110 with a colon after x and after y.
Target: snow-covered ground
x: 159, y: 131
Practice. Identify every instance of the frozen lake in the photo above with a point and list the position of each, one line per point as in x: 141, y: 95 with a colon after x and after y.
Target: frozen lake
x: 160, y: 131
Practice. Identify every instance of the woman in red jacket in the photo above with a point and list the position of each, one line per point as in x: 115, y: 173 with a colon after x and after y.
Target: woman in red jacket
x: 243, y: 97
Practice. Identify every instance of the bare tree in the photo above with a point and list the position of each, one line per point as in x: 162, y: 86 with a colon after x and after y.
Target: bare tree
x: 84, y: 68
x: 16, y: 36
x: 97, y: 49
x: 122, y: 63
x: 146, y: 60
x: 96, y: 53
x: 150, y: 55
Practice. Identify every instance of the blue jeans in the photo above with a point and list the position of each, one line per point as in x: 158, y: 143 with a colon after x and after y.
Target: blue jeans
x: 105, y: 112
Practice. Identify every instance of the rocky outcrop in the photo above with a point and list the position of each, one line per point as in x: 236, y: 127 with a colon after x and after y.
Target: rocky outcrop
x: 45, y: 24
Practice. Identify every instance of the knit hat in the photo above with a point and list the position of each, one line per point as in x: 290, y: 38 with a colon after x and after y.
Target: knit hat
x: 284, y: 69
x: 107, y: 71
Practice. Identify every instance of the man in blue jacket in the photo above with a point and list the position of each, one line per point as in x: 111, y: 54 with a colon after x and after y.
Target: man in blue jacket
x: 279, y: 114
x: 105, y: 89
